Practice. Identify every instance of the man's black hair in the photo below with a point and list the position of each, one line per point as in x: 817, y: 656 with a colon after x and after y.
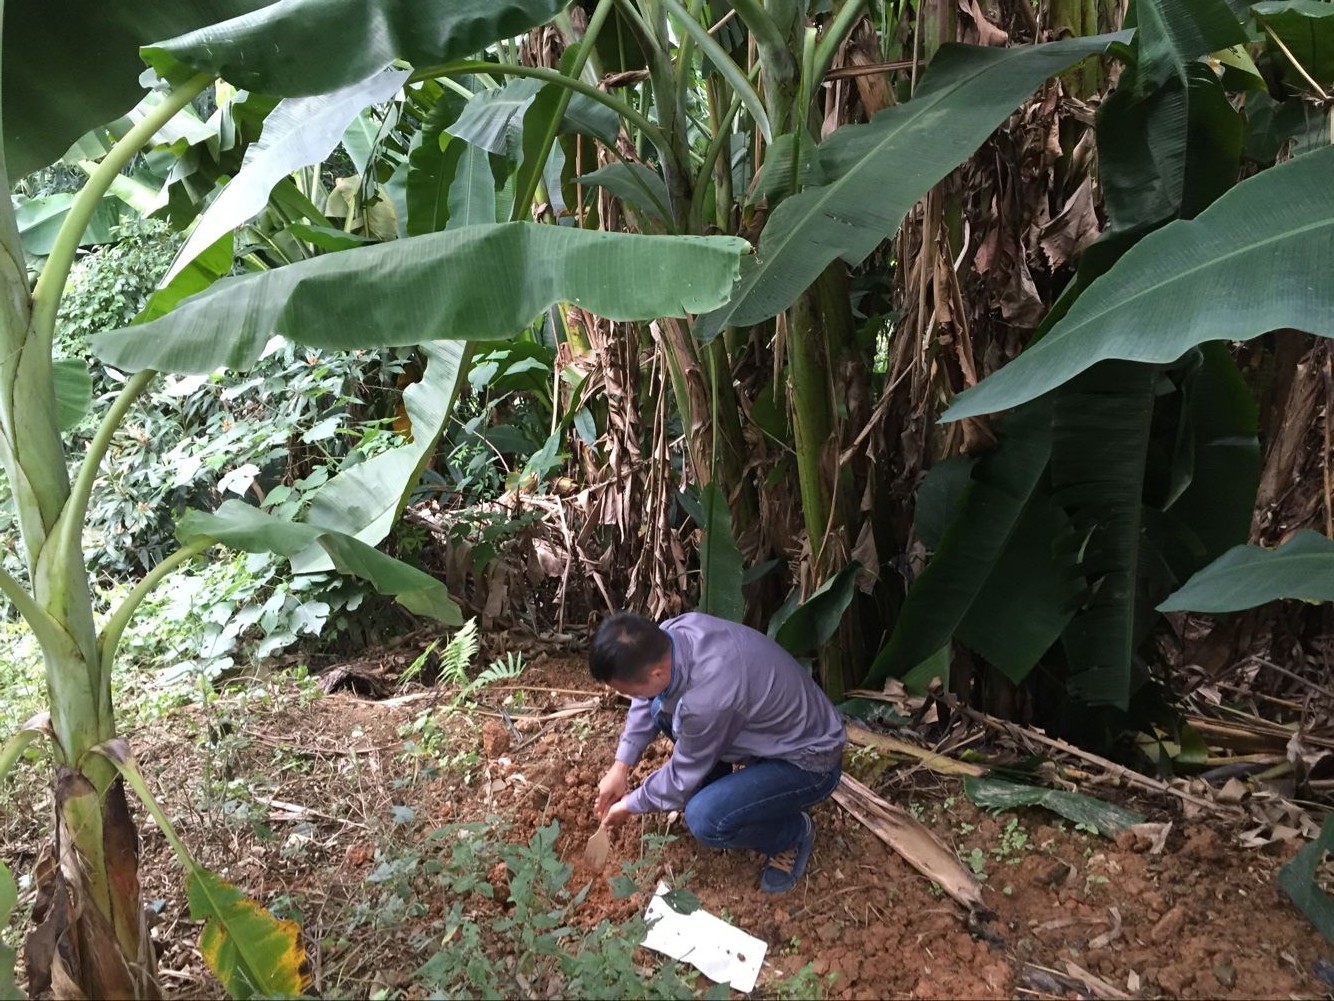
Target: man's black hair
x: 625, y: 646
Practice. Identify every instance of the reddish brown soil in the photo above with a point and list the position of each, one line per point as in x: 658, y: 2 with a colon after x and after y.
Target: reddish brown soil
x: 1202, y: 919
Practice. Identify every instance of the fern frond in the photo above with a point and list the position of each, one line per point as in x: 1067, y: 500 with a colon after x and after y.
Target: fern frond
x: 458, y: 654
x: 415, y: 668
x: 503, y: 669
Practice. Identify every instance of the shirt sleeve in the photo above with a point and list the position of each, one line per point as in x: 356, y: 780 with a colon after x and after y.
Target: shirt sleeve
x: 639, y: 732
x: 701, y: 739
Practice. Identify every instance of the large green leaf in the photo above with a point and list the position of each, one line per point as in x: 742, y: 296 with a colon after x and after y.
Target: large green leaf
x: 1298, y: 880
x: 1306, y: 28
x: 1256, y: 260
x: 73, y: 65
x: 1030, y: 595
x: 1168, y: 154
x: 1246, y: 576
x: 1003, y: 483
x: 636, y: 184
x: 1217, y: 462
x: 804, y: 628
x: 40, y: 219
x: 474, y: 283
x: 1100, y: 438
x: 871, y: 175
x: 251, y: 530
x: 301, y: 47
x: 493, y: 119
x: 253, y: 953
x: 997, y: 794
x: 1175, y: 32
x: 9, y: 898
x: 74, y: 391
x: 719, y: 559
x: 431, y: 167
x: 363, y: 501
x: 299, y: 132
x: 472, y: 195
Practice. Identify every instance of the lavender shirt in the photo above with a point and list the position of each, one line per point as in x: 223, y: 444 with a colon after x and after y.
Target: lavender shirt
x: 735, y: 695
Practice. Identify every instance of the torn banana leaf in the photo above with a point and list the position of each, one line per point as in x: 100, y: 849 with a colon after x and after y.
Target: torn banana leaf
x: 997, y: 794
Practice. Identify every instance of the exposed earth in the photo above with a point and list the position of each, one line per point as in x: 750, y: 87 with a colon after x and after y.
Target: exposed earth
x: 303, y: 799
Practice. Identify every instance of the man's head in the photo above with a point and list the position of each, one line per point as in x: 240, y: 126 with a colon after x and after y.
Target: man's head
x: 632, y: 655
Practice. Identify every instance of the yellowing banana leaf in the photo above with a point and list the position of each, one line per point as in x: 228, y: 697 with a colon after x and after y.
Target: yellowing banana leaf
x: 253, y: 953
x: 938, y: 763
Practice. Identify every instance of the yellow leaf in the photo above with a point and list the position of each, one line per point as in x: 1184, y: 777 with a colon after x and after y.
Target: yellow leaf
x: 250, y: 951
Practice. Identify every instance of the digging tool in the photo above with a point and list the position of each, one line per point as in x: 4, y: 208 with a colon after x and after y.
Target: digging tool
x: 595, y: 853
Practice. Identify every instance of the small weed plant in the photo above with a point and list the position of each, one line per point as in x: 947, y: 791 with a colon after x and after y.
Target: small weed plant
x: 527, y: 944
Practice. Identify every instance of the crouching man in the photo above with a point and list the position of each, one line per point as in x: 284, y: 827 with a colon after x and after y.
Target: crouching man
x: 755, y: 740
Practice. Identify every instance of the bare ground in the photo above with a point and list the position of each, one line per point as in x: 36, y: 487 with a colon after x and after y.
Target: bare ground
x: 303, y: 800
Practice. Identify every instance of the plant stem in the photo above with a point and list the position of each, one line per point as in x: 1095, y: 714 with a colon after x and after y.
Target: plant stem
x: 43, y: 625
x: 655, y: 135
x: 51, y: 285
x: 523, y: 201
x: 838, y: 30
x: 38, y: 726
x: 116, y: 752
x: 1315, y: 87
x: 115, y: 626
x: 76, y: 506
x: 715, y: 147
x: 761, y: 25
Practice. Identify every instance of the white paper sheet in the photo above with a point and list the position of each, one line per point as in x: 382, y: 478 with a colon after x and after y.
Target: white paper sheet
x: 722, y: 952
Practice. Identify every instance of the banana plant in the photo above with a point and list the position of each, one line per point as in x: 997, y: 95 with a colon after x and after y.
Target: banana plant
x: 1153, y: 460
x: 90, y: 938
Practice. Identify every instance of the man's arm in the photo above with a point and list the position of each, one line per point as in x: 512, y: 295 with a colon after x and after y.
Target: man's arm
x: 640, y: 729
x: 701, y: 739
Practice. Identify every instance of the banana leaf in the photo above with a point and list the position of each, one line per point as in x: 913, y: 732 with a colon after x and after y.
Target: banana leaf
x: 865, y: 178
x: 1258, y: 259
x: 1173, y: 33
x: 1004, y: 481
x: 364, y: 501
x: 1306, y: 29
x: 1246, y: 576
x: 301, y: 47
x: 74, y: 65
x: 997, y: 794
x: 1101, y: 429
x: 299, y: 132
x: 474, y: 283
x: 251, y: 530
x: 1298, y: 880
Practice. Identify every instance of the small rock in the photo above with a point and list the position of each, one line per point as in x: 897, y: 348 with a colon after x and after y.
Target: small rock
x: 1226, y: 974
x: 495, y: 738
x: 1169, y: 925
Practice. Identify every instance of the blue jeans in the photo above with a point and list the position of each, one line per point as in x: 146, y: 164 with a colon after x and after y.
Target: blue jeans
x: 758, y: 807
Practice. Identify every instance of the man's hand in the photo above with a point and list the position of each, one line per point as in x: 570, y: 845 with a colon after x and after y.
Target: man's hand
x: 613, y: 787
x: 617, y: 814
